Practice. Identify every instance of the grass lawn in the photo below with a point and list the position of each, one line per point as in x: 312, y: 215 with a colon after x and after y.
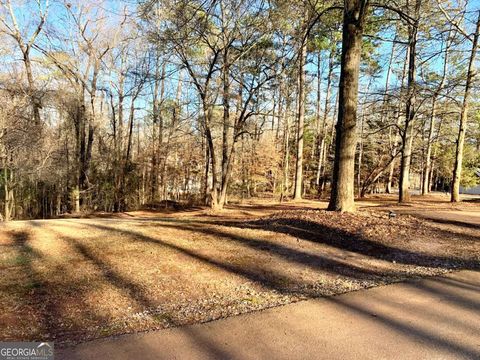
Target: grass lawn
x: 69, y: 280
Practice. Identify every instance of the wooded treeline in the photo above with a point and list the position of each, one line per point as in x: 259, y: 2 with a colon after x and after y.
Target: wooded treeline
x: 121, y: 105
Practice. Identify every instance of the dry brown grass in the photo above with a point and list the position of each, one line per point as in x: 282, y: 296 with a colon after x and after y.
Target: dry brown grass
x: 70, y: 280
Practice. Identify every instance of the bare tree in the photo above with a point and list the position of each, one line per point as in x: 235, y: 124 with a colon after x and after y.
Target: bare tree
x: 25, y: 40
x: 457, y: 169
x: 410, y: 110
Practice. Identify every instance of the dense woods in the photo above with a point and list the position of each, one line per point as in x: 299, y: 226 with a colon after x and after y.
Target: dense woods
x: 122, y: 105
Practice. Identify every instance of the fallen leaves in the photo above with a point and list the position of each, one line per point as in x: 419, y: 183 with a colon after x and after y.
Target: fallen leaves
x: 140, y: 274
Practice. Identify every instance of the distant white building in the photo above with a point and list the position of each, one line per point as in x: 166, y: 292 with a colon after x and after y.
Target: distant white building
x: 470, y: 191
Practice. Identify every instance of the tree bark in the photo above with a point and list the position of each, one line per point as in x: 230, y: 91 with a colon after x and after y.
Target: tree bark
x: 457, y: 169
x: 410, y: 111
x: 428, y: 152
x: 118, y: 196
x: 286, y: 149
x: 388, y: 188
x: 36, y: 103
x: 226, y: 116
x: 318, y: 146
x: 155, y: 118
x: 9, y: 199
x: 360, y: 157
x: 162, y: 189
x: 395, y: 142
x: 342, y: 194
x: 326, y: 110
x: 301, y: 115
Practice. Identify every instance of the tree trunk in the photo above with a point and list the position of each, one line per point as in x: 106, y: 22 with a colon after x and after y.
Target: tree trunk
x: 286, y: 149
x: 155, y: 118
x: 226, y: 152
x: 428, y: 152
x: 410, y: 111
x: 434, y: 156
x: 36, y: 104
x: 118, y: 168
x: 207, y: 110
x: 162, y: 190
x: 207, y: 171
x: 318, y: 120
x: 301, y: 116
x: 171, y: 130
x: 321, y: 157
x: 225, y: 178
x: 388, y: 188
x: 389, y: 185
x: 8, y: 193
x: 360, y: 157
x: 342, y: 195
x: 131, y: 119
x: 372, y: 179
x: 457, y: 169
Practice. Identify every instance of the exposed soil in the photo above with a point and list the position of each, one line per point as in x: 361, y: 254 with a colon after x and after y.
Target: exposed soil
x: 71, y: 280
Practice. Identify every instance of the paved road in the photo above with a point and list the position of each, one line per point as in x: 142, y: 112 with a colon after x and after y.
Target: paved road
x: 435, y: 318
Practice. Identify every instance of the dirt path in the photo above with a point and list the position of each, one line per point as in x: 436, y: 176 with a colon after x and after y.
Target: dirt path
x: 436, y: 318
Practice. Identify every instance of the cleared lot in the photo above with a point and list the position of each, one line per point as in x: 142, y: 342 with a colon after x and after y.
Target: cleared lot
x: 70, y: 280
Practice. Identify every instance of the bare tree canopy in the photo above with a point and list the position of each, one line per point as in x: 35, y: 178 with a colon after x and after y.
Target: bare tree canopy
x: 120, y: 105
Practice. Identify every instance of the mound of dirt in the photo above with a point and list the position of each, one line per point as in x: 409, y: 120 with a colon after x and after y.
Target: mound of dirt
x: 373, y: 233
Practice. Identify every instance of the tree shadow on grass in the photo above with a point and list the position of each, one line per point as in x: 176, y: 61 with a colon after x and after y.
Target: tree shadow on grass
x: 353, y: 242
x: 45, y: 295
x: 264, y: 276
x: 399, y: 326
x: 269, y: 207
x: 137, y: 294
x: 258, y: 272
x: 36, y: 290
x: 459, y: 223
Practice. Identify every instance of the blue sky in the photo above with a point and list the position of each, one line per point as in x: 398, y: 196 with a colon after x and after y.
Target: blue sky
x: 112, y: 11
